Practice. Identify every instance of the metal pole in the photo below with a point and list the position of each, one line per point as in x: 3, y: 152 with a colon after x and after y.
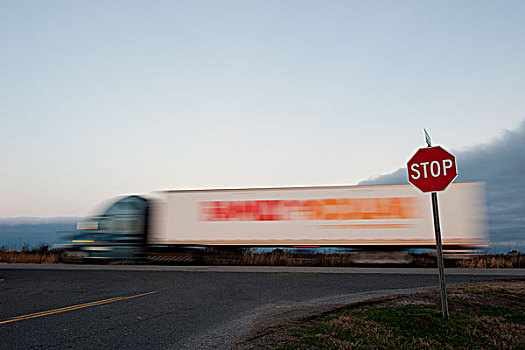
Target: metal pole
x: 437, y: 230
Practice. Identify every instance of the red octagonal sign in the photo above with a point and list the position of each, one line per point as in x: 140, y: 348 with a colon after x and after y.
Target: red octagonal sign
x: 432, y: 169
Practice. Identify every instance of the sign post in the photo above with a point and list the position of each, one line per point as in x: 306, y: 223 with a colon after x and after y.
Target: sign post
x: 432, y: 169
x: 439, y: 248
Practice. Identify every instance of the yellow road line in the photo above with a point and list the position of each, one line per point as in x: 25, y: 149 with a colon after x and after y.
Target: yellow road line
x: 72, y: 307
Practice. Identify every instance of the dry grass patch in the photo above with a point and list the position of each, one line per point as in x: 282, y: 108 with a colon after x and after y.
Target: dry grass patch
x: 510, y: 260
x: 286, y: 258
x: 40, y: 255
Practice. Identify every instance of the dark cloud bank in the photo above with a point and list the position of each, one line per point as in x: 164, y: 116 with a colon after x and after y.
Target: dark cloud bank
x: 501, y: 166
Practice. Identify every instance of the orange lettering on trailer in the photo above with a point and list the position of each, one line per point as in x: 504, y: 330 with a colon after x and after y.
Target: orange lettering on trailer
x: 312, y: 209
x: 292, y: 210
x: 330, y: 209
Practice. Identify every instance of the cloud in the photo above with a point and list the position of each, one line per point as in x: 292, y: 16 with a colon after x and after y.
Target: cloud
x: 501, y: 165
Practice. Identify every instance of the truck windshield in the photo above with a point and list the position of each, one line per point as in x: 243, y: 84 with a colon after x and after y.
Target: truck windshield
x: 126, y: 216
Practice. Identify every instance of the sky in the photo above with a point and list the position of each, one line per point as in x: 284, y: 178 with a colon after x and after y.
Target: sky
x: 103, y: 98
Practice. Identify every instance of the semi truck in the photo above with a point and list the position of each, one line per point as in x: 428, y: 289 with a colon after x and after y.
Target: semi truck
x: 382, y: 218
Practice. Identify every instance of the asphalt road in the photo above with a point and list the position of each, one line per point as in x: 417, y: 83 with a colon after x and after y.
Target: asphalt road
x: 145, y: 307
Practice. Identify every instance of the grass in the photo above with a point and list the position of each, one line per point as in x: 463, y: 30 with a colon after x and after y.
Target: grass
x: 285, y: 258
x: 39, y: 255
x: 510, y: 260
x: 482, y: 316
x: 278, y: 258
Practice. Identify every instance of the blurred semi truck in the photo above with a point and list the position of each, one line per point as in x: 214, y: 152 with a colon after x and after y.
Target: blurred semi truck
x: 389, y: 218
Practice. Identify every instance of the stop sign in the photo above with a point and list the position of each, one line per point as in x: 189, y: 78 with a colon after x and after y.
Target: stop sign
x: 432, y: 169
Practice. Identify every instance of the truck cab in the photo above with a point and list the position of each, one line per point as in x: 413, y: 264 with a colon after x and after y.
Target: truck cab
x: 119, y: 232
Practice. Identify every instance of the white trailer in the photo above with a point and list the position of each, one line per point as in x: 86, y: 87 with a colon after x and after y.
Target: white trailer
x: 319, y: 216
